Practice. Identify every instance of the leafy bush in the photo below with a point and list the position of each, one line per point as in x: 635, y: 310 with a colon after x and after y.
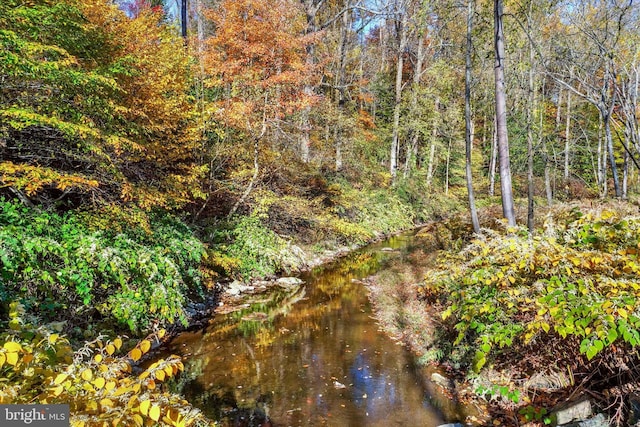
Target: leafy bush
x: 247, y: 249
x: 578, y: 283
x: 56, y: 264
x: 38, y: 365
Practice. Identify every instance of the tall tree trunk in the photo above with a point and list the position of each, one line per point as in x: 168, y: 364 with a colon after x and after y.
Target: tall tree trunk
x: 625, y: 176
x: 432, y: 149
x: 341, y: 97
x: 183, y: 18
x: 508, y: 208
x: 493, y: 163
x: 395, y: 139
x: 467, y: 120
x: 567, y: 138
x: 412, y: 148
x: 531, y: 108
x: 612, y: 159
x: 602, y: 161
x: 447, y: 164
x: 311, y: 8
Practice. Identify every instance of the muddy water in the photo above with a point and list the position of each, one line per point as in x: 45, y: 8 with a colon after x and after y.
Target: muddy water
x: 308, y: 355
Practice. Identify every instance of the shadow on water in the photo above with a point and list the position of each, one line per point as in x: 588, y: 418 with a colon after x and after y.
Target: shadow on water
x: 308, y: 355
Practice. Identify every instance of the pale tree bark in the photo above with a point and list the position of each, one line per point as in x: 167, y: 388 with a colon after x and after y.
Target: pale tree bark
x: 567, y: 137
x: 432, y: 149
x: 508, y: 208
x: 494, y: 159
x: 412, y: 148
x: 395, y: 139
x: 531, y: 108
x: 340, y: 83
x: 311, y: 9
x: 467, y: 119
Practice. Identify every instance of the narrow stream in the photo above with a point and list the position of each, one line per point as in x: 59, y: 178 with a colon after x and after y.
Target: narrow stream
x: 308, y: 355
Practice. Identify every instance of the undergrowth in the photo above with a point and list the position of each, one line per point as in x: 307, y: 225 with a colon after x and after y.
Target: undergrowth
x: 566, y: 298
x: 70, y: 265
x: 38, y: 365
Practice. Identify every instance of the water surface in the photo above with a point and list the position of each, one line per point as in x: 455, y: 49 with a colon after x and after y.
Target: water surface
x: 308, y: 355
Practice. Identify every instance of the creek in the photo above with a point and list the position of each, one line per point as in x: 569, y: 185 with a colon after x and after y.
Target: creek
x: 310, y: 355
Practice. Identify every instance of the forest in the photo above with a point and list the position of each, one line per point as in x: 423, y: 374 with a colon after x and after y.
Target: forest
x: 152, y: 151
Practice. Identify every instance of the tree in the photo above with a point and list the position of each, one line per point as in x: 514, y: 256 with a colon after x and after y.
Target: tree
x: 467, y: 117
x: 256, y: 62
x: 94, y: 106
x: 508, y: 209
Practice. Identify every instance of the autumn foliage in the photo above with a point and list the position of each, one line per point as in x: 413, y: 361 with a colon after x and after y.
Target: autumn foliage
x: 256, y: 57
x: 94, y: 104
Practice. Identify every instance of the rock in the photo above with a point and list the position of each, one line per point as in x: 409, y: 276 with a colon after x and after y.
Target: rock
x: 599, y: 420
x: 236, y: 287
x: 387, y: 249
x: 339, y: 385
x: 634, y: 409
x: 440, y: 380
x: 287, y: 282
x: 575, y: 411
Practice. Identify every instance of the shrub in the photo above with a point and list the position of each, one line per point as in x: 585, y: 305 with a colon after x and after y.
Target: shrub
x: 56, y: 264
x: 38, y: 365
x: 579, y: 283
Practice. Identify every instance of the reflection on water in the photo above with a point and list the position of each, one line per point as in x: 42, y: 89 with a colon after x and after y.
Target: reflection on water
x: 307, y: 355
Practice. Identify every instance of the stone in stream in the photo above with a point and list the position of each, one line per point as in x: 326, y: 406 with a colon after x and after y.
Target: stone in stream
x: 441, y: 380
x: 288, y: 282
x: 236, y: 287
x: 576, y: 411
x: 599, y: 420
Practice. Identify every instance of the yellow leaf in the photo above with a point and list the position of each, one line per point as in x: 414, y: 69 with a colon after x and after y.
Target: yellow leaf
x: 110, y: 348
x: 154, y: 413
x: 108, y: 403
x: 58, y: 390
x: 110, y: 385
x: 88, y: 387
x: 143, y: 375
x: 623, y: 313
x: 135, y: 354
x: 160, y: 375
x: 138, y: 420
x: 53, y: 338
x: 161, y: 333
x: 3, y: 359
x: 512, y: 279
x: 168, y: 370
x: 60, y: 378
x: 97, y: 358
x: 145, y: 345
x: 12, y: 346
x: 121, y: 390
x: 117, y: 343
x: 12, y: 359
x: 99, y: 382
x: 144, y: 407
x: 87, y: 374
x: 151, y: 384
